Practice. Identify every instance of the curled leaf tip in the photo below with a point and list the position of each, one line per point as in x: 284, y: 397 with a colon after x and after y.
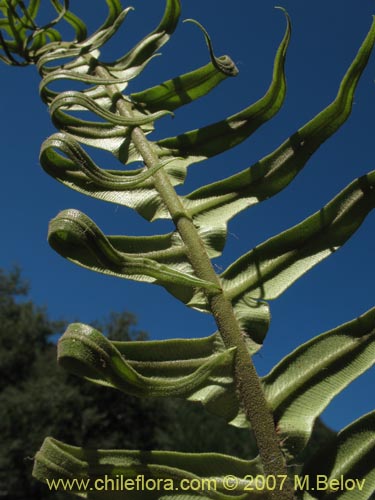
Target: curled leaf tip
x: 278, y: 7
x: 223, y: 64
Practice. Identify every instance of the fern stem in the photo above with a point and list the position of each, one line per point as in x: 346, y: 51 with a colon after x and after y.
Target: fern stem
x: 248, y: 384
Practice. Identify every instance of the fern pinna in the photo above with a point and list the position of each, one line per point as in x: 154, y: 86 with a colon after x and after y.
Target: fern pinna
x: 216, y: 371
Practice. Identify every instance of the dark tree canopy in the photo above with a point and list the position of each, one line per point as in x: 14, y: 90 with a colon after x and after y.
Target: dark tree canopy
x: 37, y: 399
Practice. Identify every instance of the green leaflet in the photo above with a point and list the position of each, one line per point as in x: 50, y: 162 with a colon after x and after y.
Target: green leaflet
x: 252, y: 314
x: 58, y: 460
x: 82, y: 51
x: 48, y: 95
x: 80, y: 100
x: 75, y: 22
x: 14, y: 27
x: 205, y: 142
x: 116, y: 16
x: 115, y: 11
x: 143, y: 198
x: 117, y: 139
x: 112, y: 134
x: 166, y: 248
x: 139, y: 193
x: 270, y: 268
x: 194, y: 84
x: 80, y: 165
x: 29, y: 12
x: 123, y: 69
x: 199, y: 370
x: 181, y: 90
x: 28, y: 44
x: 167, y: 96
x: 160, y: 259
x: 152, y: 42
x: 302, y: 385
x: 347, y: 463
x: 76, y: 237
x: 186, y: 88
x: 62, y: 11
x: 40, y: 40
x: 216, y: 203
x: 28, y: 40
x: 222, y: 64
x: 77, y: 70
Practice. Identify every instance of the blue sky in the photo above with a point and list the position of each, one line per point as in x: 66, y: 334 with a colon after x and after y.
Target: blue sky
x: 325, y: 39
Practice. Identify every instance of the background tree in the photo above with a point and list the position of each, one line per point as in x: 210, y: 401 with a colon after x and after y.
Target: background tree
x: 37, y: 397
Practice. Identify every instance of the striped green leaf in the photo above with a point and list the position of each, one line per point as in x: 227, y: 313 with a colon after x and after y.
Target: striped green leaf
x: 198, y: 370
x: 154, y: 41
x: 77, y: 238
x: 273, y: 266
x: 182, y: 89
x: 209, y: 141
x: 116, y: 138
x: 180, y: 476
x: 302, y: 385
x: 269, y: 269
x: 344, y: 469
x: 215, y: 204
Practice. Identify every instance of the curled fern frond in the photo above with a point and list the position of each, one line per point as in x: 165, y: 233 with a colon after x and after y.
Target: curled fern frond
x: 23, y: 40
x: 223, y: 64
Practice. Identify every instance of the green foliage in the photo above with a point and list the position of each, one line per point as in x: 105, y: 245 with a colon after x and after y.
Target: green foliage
x: 36, y: 395
x: 350, y: 454
x: 217, y: 370
x: 79, y: 412
x: 19, y: 322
